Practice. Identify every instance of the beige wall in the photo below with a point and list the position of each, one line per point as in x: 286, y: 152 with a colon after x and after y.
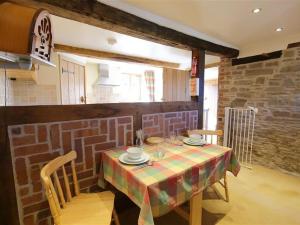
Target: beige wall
x: 91, y: 76
x: 50, y: 75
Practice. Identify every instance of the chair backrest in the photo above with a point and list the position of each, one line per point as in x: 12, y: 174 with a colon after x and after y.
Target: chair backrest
x: 49, y: 173
x: 208, y: 135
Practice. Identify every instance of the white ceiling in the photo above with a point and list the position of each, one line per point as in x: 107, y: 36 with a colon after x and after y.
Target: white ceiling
x: 77, y: 34
x: 229, y: 22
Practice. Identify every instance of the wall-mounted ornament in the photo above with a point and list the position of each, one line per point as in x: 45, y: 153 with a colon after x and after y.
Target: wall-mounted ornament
x: 26, y: 34
x: 194, y: 66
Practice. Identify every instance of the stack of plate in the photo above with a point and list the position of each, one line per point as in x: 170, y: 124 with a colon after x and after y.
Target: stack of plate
x: 194, y: 141
x: 125, y: 159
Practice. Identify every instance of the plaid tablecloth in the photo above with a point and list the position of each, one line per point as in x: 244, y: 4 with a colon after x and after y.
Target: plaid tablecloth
x: 169, y: 182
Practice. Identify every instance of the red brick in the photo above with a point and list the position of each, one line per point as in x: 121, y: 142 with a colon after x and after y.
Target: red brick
x: 29, y: 220
x: 148, y: 124
x: 42, y: 133
x: 79, y: 150
x: 79, y: 167
x: 112, y: 130
x: 121, y: 135
x: 29, y: 129
x: 174, y: 120
x: 74, y: 125
x: 16, y: 131
x: 85, y: 132
x: 94, y: 139
x: 44, y: 222
x: 45, y: 157
x: 169, y: 115
x: 124, y: 120
x: 35, y: 173
x: 37, y: 186
x: 67, y: 142
x: 31, y: 149
x: 43, y: 214
x: 31, y: 199
x: 105, y: 146
x: 36, y: 207
x: 155, y: 119
x: 129, y: 138
x: 89, y: 161
x: 23, y: 191
x: 94, y: 123
x: 23, y: 140
x: 85, y: 174
x: 103, y: 127
x: 22, y: 176
x: 55, y: 136
x: 194, y: 113
x: 151, y: 130
x: 179, y: 126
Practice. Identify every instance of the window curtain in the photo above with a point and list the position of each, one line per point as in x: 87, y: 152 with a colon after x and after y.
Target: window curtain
x: 149, y: 77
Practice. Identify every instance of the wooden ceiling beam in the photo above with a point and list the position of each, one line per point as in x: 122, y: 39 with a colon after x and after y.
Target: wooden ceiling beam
x: 104, y: 16
x: 211, y: 65
x: 112, y: 56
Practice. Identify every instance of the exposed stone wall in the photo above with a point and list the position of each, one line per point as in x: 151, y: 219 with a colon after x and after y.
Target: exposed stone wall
x: 162, y: 124
x: 33, y: 145
x: 273, y: 86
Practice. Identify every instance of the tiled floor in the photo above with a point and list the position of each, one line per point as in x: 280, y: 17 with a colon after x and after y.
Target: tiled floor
x: 257, y: 197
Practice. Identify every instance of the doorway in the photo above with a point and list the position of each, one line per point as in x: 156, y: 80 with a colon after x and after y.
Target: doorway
x: 72, y: 80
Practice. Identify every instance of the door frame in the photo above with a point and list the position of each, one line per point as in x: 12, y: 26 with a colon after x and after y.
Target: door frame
x: 68, y: 59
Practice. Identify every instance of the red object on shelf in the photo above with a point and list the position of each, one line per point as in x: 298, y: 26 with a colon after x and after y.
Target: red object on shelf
x: 194, y: 66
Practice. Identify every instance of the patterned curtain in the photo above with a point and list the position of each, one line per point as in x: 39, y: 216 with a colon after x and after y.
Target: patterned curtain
x: 149, y: 77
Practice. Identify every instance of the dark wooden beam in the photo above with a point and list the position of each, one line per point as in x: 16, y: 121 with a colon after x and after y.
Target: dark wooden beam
x: 211, y: 65
x: 98, y: 14
x: 113, y: 56
x: 257, y: 58
x: 8, y: 202
x: 293, y: 45
x: 200, y: 56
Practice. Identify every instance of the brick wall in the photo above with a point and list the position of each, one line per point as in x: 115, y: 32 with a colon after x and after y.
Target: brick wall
x: 33, y: 145
x: 161, y: 124
x: 273, y: 86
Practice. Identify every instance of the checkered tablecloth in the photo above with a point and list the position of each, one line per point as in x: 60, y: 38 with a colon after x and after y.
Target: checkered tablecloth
x: 169, y: 182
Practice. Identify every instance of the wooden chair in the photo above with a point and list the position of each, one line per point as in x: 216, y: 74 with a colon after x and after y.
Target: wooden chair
x: 80, y: 209
x: 209, y: 135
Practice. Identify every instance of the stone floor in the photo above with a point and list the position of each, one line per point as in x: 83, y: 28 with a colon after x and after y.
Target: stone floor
x: 259, y: 196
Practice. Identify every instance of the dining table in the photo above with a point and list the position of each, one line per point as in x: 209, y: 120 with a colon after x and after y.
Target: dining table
x: 179, y: 176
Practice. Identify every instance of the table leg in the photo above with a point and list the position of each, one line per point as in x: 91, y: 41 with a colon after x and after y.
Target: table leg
x: 196, y: 209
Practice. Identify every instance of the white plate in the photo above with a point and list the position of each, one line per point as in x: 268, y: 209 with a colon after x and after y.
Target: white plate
x: 192, y: 141
x: 124, y: 159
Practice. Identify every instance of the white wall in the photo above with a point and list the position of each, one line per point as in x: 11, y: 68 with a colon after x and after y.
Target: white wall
x: 91, y: 76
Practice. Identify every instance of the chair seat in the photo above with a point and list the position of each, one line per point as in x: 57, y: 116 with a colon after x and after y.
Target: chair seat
x: 89, y: 209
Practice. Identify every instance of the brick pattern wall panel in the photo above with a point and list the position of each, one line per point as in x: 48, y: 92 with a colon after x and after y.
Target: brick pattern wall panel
x: 273, y: 86
x: 163, y: 124
x: 33, y: 145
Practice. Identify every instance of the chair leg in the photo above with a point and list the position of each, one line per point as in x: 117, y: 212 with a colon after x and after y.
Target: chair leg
x: 226, y: 188
x: 116, y: 218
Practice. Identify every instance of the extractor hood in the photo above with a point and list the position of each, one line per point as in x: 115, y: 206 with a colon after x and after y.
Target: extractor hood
x: 26, y: 36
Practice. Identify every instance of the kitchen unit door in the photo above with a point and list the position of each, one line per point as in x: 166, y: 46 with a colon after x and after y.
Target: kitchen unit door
x: 72, y: 82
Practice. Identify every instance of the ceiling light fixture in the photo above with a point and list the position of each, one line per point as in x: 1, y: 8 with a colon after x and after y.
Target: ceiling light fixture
x: 256, y: 10
x: 279, y: 29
